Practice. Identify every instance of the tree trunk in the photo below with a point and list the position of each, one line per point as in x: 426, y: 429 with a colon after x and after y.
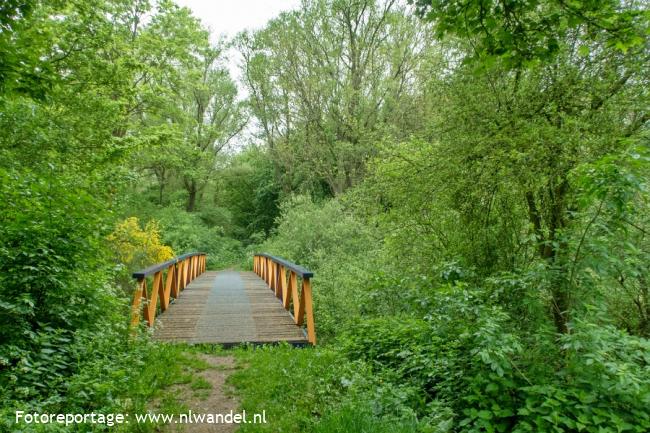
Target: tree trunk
x: 191, y: 195
x: 160, y: 174
x: 161, y: 188
x: 551, y: 247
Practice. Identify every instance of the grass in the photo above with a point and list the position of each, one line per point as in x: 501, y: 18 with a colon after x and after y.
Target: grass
x: 312, y: 390
x: 165, y: 365
x: 359, y: 418
x: 291, y: 385
x: 304, y: 390
x: 200, y: 383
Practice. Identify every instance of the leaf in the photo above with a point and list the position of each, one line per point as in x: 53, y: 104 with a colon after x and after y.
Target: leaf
x: 485, y: 414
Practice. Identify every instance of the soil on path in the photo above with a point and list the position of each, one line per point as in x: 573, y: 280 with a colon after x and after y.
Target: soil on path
x: 212, y: 398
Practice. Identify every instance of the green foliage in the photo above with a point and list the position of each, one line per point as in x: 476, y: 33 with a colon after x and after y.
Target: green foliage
x: 328, y: 239
x: 360, y: 418
x: 381, y: 341
x: 483, y: 266
x: 187, y: 232
x: 317, y: 391
x: 611, y: 253
x: 107, y: 373
x: 248, y: 188
x: 329, y: 81
x: 311, y: 233
x: 291, y: 385
x: 193, y: 112
x: 75, y: 80
x: 526, y: 31
x: 53, y: 273
x: 465, y: 356
x: 604, y: 385
x: 452, y: 356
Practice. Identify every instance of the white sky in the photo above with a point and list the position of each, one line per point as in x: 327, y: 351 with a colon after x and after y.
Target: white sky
x: 228, y: 17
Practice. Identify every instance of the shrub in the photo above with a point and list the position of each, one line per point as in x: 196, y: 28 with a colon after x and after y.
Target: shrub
x: 338, y: 247
x: 313, y: 233
x: 135, y: 248
x: 187, y: 232
x: 603, y: 386
x: 52, y: 264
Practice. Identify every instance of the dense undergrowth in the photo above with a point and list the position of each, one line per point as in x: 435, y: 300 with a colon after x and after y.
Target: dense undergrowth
x: 443, y: 351
x: 472, y: 196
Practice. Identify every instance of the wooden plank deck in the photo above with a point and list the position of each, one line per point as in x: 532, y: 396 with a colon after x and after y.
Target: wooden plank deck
x: 227, y: 307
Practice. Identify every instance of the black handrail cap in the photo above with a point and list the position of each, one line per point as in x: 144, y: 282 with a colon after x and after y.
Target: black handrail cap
x: 303, y: 272
x: 142, y: 273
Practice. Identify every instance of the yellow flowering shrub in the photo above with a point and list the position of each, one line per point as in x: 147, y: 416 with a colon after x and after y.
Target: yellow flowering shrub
x: 136, y: 247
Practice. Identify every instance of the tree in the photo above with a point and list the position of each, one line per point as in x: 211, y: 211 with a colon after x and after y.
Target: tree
x: 524, y: 31
x: 327, y: 83
x: 191, y: 108
x: 211, y: 118
x: 248, y: 188
x: 512, y: 137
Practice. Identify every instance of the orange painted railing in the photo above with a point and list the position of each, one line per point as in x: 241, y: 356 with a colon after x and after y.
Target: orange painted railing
x: 282, y: 277
x: 169, y: 279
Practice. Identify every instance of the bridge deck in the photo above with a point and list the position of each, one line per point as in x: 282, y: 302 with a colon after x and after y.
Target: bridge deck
x: 227, y: 307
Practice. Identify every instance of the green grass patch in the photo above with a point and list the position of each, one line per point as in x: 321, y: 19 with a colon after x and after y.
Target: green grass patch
x: 312, y: 390
x: 200, y: 383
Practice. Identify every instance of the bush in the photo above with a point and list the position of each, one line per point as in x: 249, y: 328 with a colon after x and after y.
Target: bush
x: 339, y: 248
x: 312, y: 233
x: 64, y: 343
x: 107, y: 372
x: 402, y: 344
x: 603, y: 386
x: 53, y: 268
x: 186, y: 232
x: 135, y: 248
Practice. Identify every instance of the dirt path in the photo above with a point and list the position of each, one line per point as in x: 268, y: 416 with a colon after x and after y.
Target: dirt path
x: 206, y: 394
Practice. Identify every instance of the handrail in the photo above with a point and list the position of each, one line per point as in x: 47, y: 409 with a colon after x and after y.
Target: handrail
x: 181, y: 271
x: 302, y: 272
x: 274, y: 271
x: 159, y: 266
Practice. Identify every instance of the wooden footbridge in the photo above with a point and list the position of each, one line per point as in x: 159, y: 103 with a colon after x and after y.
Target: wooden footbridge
x: 183, y: 302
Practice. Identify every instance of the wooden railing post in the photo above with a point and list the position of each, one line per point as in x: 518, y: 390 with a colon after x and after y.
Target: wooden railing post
x: 169, y: 279
x: 150, y: 308
x: 175, y: 290
x: 276, y: 280
x: 140, y: 293
x: 291, y: 289
x: 273, y: 271
x: 309, y: 311
x: 267, y: 274
x: 283, y: 284
x: 186, y: 274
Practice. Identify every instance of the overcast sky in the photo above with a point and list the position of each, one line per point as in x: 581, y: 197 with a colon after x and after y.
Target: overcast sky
x: 229, y: 17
